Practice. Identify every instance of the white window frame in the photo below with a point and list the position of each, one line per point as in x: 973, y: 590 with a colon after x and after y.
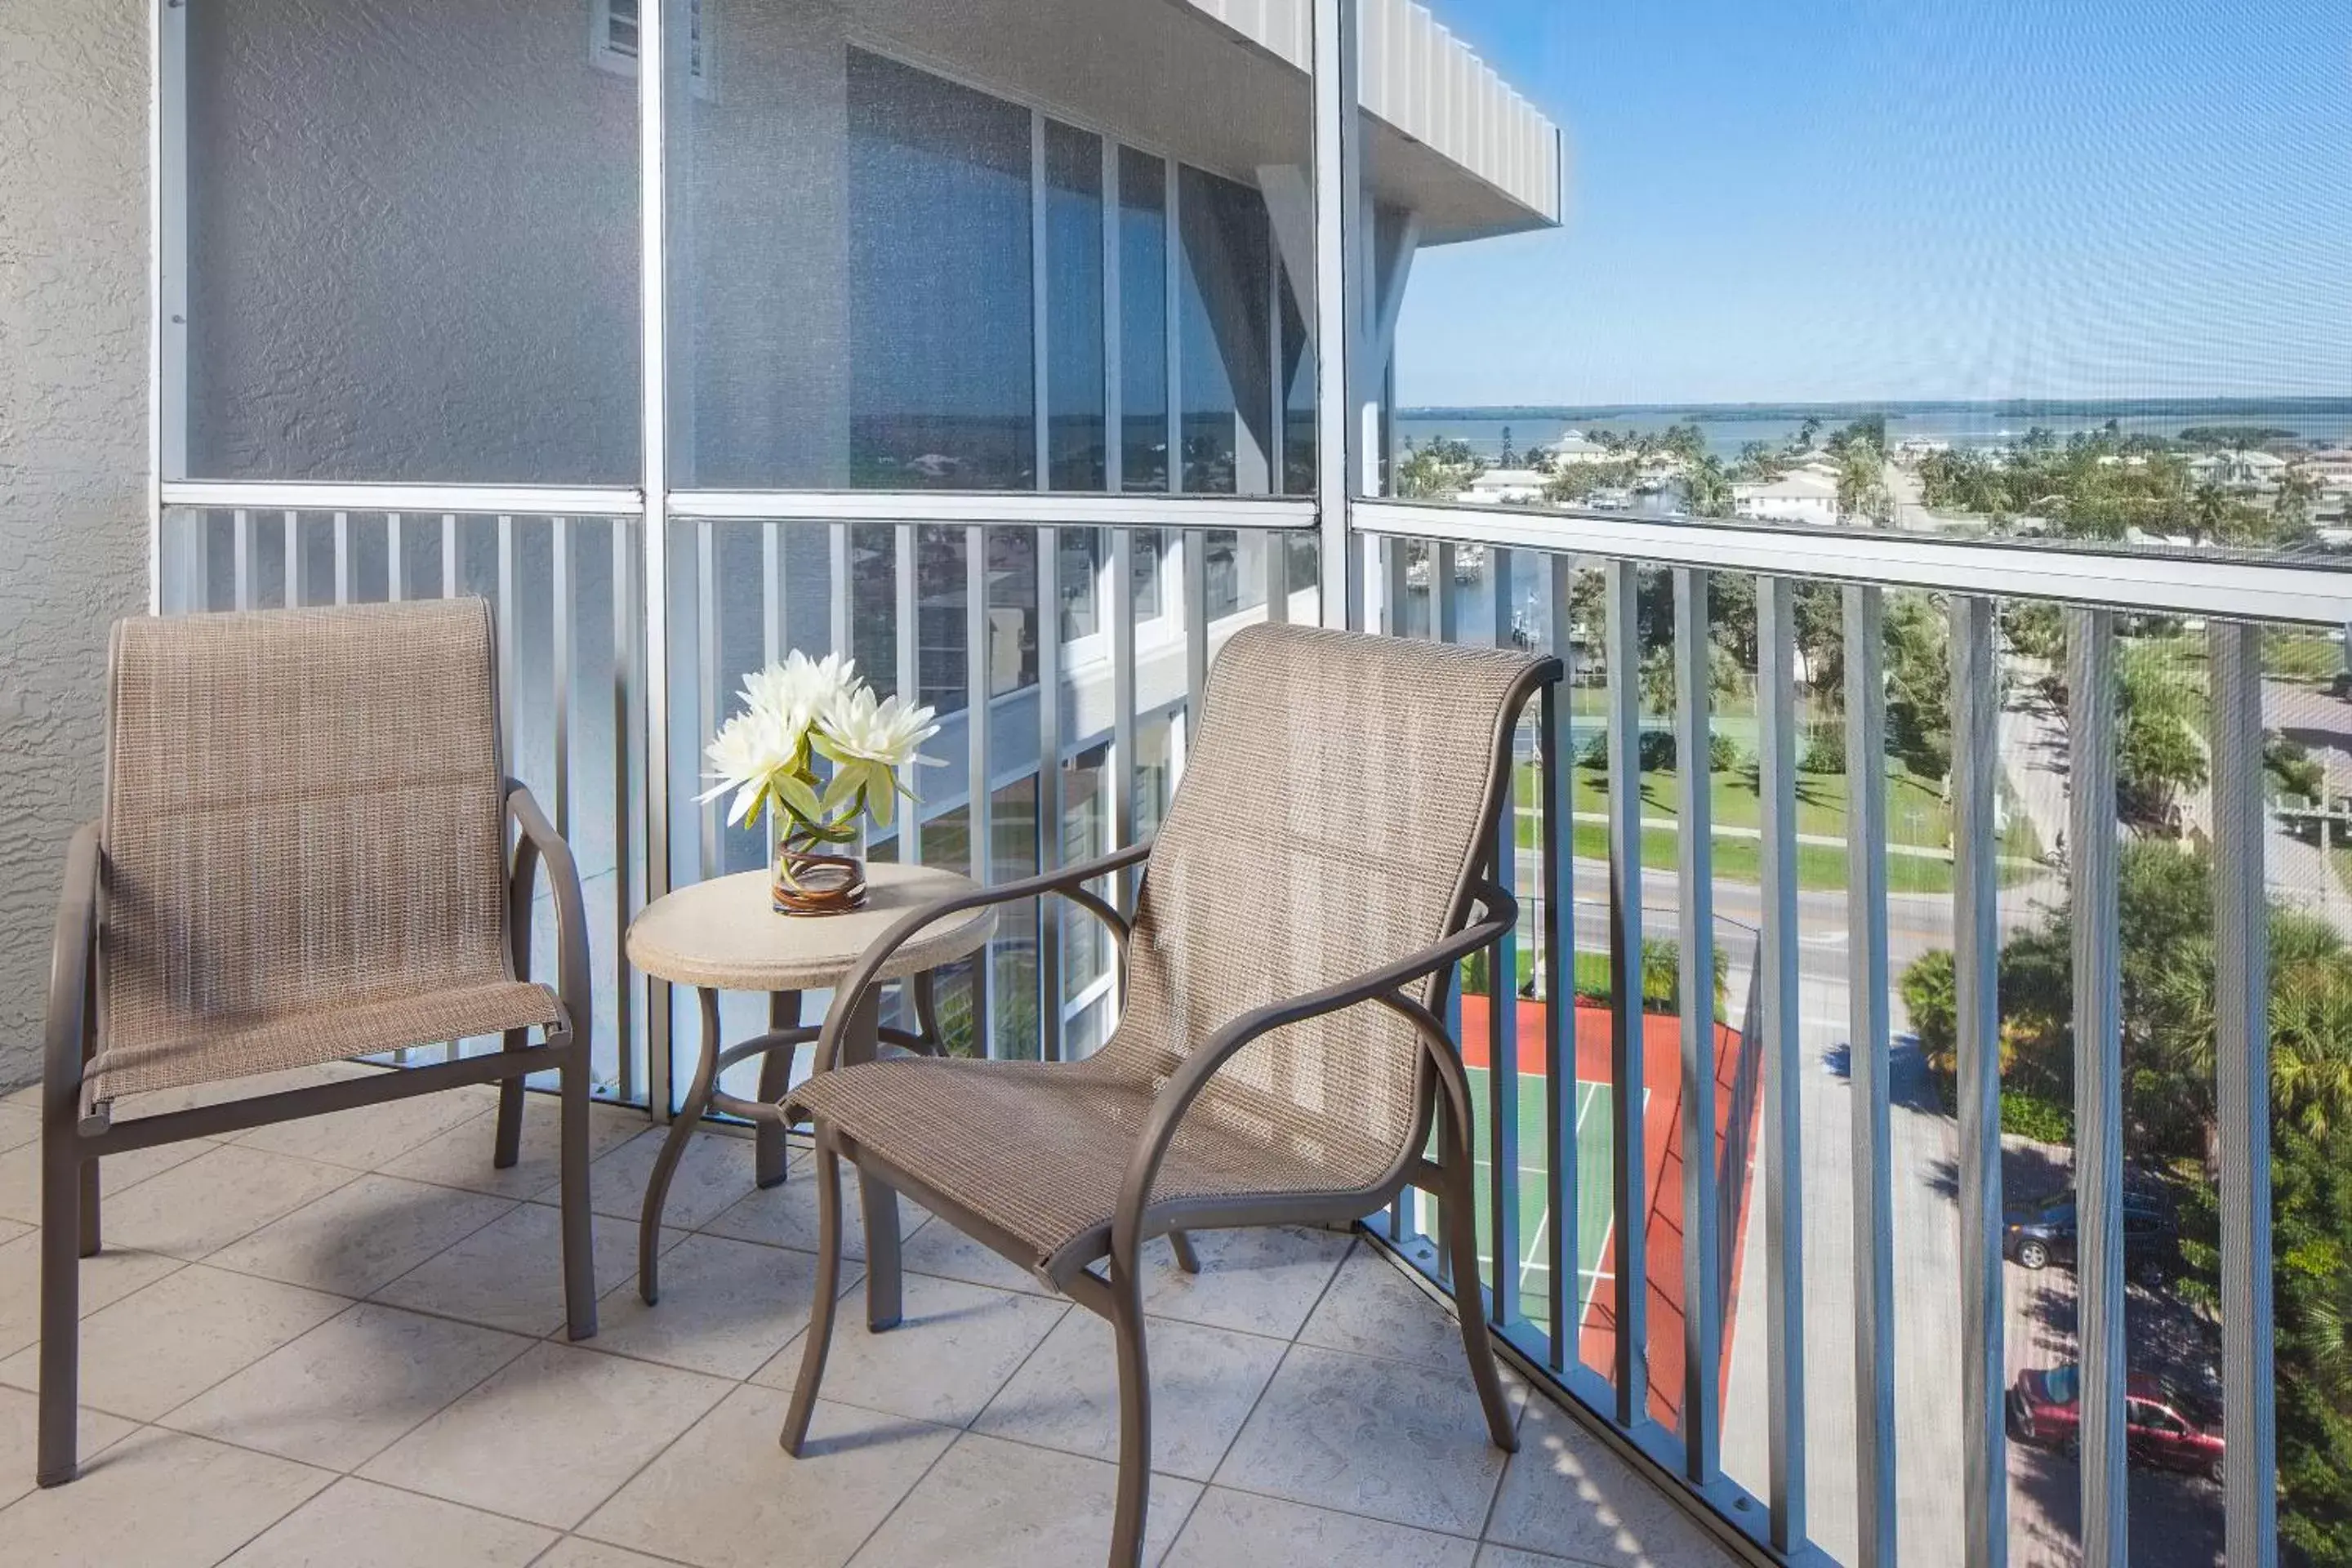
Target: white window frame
x: 701, y: 71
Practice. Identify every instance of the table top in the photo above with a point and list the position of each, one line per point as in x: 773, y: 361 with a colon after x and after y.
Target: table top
x: 725, y: 934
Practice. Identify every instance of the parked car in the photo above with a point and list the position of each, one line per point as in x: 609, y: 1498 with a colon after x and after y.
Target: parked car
x: 2039, y: 1234
x: 2161, y: 1430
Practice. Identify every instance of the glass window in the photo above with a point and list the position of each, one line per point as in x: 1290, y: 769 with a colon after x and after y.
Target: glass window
x: 1073, y: 293
x: 1225, y: 312
x: 940, y: 360
x: 1143, y: 320
x: 412, y: 246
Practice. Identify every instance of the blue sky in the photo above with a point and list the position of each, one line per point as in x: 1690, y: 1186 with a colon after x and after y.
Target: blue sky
x: 1937, y: 198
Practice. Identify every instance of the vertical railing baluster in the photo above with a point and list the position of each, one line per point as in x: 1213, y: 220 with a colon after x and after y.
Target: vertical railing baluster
x: 772, y: 593
x: 1869, y: 1042
x: 1444, y: 604
x: 1503, y: 1009
x: 1049, y: 790
x: 2094, y: 856
x: 1395, y: 576
x: 1196, y: 624
x: 509, y: 704
x: 2241, y: 1096
x: 706, y: 682
x: 1695, y: 869
x: 291, y: 526
x: 979, y: 812
x: 628, y: 757
x: 1976, y: 930
x: 342, y: 558
x: 395, y: 560
x: 1119, y: 610
x: 1443, y: 626
x: 1626, y: 1066
x: 908, y: 645
x: 448, y: 555
x: 1556, y: 756
x: 241, y: 559
x: 559, y: 559
x: 1783, y: 1059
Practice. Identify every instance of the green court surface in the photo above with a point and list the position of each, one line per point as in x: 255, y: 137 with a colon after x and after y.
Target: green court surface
x: 1594, y: 1200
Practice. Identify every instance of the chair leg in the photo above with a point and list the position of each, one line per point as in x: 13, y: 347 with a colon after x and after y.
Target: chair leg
x: 63, y: 1175
x: 579, y: 1245
x: 508, y: 1149
x: 1459, y: 1218
x: 819, y: 1338
x: 90, y: 1229
x: 1186, y: 1258
x: 1134, y: 1421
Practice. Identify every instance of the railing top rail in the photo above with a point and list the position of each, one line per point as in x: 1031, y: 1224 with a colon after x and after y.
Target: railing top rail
x: 2232, y: 587
x: 998, y: 508
x: 469, y: 501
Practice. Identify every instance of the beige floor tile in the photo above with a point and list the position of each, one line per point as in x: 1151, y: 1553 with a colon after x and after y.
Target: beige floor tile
x: 1512, y: 1557
x: 158, y: 1500
x: 361, y: 1238
x: 1374, y: 1309
x: 713, y: 1174
x: 160, y: 1347
x: 934, y: 1246
x: 20, y: 1175
x: 727, y: 1307
x: 786, y: 1216
x: 1381, y: 1438
x: 725, y: 1496
x: 350, y: 1388
x: 19, y: 1125
x: 105, y: 1280
x: 20, y: 1441
x: 460, y: 1157
x: 1203, y: 1384
x: 1229, y: 1527
x: 944, y: 1362
x: 28, y: 1098
x: 221, y: 1195
x: 1262, y: 1281
x: 1566, y: 1494
x: 509, y: 1273
x: 11, y: 1230
x: 367, y: 1136
x: 572, y: 1552
x: 551, y: 1435
x: 994, y: 1504
x: 357, y: 1525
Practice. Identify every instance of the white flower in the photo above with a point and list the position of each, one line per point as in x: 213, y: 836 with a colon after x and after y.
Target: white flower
x: 746, y: 755
x: 800, y: 688
x: 870, y: 741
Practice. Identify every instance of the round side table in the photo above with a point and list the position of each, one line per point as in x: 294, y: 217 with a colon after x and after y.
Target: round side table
x: 723, y: 935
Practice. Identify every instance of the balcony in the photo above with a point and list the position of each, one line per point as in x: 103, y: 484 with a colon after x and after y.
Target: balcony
x: 343, y: 1341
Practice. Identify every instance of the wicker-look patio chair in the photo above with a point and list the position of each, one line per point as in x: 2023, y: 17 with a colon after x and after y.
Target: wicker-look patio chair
x: 1279, y: 1058
x: 303, y: 859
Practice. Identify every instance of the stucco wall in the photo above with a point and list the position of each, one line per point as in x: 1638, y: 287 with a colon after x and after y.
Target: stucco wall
x: 73, y: 356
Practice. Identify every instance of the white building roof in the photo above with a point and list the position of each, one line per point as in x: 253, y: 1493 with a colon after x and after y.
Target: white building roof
x: 1797, y: 484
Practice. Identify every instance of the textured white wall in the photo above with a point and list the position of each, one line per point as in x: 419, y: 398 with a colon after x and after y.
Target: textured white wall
x: 73, y: 446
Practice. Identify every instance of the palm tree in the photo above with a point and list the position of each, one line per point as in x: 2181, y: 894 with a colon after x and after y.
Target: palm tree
x: 1707, y: 488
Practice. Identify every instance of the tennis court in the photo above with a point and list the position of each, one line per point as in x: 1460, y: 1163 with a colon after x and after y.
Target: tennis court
x: 1595, y: 1145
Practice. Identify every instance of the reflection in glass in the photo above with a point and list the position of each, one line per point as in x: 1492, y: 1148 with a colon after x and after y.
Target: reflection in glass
x: 1224, y: 307
x: 1143, y: 320
x: 1073, y: 293
x: 942, y: 392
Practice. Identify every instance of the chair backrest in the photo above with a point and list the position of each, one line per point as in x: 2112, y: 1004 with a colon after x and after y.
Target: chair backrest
x: 1335, y: 807
x: 303, y: 808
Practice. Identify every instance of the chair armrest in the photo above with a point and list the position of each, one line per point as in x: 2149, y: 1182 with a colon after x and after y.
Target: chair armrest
x: 537, y: 841
x: 1069, y: 883
x: 1184, y: 1086
x: 69, y: 1039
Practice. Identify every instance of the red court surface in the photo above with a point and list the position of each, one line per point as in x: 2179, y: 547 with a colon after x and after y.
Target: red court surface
x: 1738, y: 1105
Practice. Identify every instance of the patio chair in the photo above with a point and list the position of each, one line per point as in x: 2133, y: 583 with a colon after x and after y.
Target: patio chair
x: 303, y: 859
x: 1279, y: 1057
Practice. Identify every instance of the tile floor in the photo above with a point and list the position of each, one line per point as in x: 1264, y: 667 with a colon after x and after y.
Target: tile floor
x: 343, y: 1344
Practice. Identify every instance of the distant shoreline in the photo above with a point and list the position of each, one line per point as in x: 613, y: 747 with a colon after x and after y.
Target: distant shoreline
x: 2068, y: 408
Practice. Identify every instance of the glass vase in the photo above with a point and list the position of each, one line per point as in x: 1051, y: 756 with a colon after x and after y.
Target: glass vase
x: 818, y: 868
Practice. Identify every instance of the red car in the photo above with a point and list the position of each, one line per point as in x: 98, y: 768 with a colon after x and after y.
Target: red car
x: 2045, y: 1409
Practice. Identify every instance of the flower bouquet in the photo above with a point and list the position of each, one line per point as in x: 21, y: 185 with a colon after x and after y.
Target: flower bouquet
x: 815, y: 751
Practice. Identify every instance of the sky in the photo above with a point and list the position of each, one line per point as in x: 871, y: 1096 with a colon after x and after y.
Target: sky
x: 1884, y: 199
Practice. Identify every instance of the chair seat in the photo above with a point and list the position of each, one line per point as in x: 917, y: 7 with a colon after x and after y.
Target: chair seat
x: 1040, y: 1150
x: 274, y: 1042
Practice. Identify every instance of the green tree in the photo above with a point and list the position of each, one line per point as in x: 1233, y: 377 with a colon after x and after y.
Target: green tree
x: 1439, y: 471
x: 1707, y: 488
x: 1861, y: 490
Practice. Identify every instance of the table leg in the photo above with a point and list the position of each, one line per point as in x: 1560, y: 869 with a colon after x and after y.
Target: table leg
x: 775, y: 1077
x: 877, y: 1198
x: 689, y: 1118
